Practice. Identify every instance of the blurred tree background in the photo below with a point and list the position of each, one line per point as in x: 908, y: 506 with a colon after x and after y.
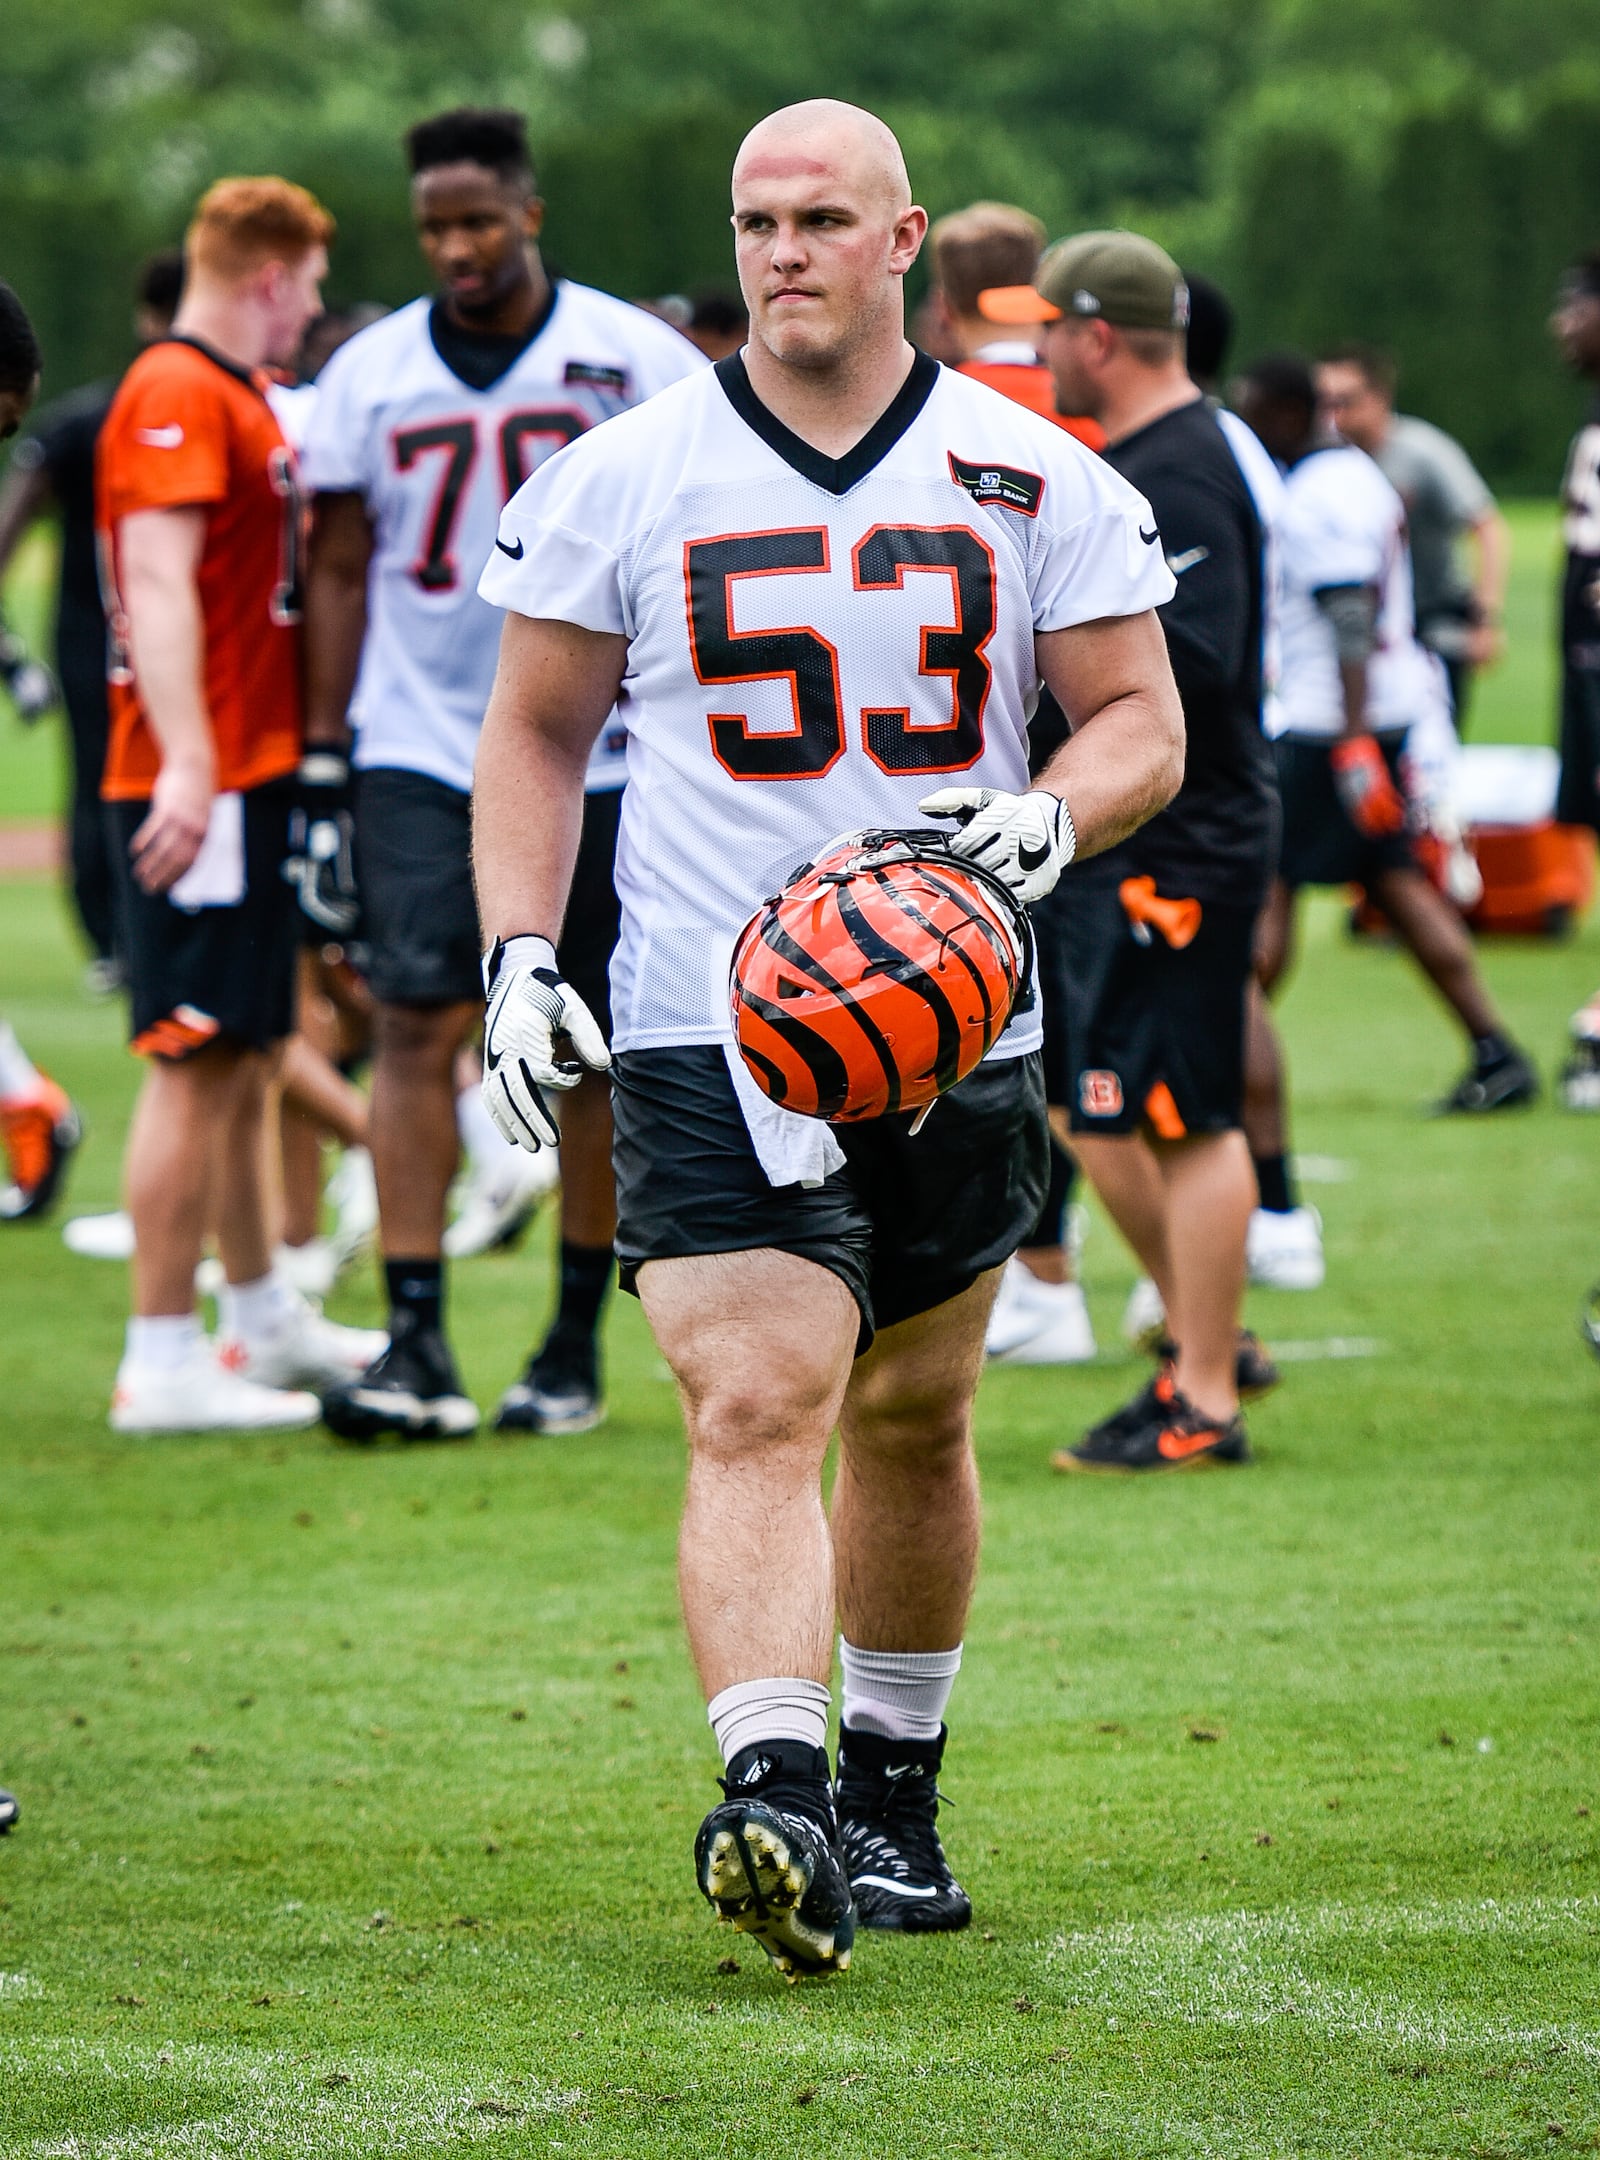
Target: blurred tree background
x: 1413, y: 171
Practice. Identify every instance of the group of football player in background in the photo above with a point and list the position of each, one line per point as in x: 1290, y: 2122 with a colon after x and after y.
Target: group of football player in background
x: 1151, y: 666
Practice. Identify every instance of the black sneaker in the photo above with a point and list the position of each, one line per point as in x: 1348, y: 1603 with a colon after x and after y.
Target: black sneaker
x: 768, y: 1858
x: 1510, y: 1084
x: 1253, y: 1370
x: 558, y: 1393
x: 9, y: 1811
x: 412, y: 1391
x: 1167, y: 1433
x: 888, y: 1800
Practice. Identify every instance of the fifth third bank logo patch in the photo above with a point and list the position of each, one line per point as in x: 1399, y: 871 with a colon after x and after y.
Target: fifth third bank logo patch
x: 1002, y: 484
x: 1099, y: 1094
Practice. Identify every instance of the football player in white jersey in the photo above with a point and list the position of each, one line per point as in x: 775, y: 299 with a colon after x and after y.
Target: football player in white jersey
x: 1352, y: 681
x: 425, y: 424
x: 824, y: 581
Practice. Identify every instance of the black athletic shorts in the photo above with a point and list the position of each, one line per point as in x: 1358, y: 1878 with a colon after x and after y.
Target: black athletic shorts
x: 907, y: 1224
x: 1050, y: 917
x: 195, y: 975
x: 1320, y: 846
x: 420, y: 939
x: 1155, y: 1034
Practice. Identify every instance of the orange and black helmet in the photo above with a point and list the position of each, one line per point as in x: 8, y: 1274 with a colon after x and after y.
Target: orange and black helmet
x: 878, y: 978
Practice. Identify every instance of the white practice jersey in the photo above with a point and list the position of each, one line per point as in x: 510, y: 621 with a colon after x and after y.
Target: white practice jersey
x: 1343, y: 524
x: 1265, y: 482
x: 435, y: 460
x: 815, y: 643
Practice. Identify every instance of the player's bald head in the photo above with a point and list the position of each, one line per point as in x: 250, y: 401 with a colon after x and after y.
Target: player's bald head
x: 831, y: 142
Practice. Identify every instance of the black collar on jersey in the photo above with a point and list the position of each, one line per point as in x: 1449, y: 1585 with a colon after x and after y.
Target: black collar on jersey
x: 837, y: 475
x: 480, y: 357
x: 250, y: 377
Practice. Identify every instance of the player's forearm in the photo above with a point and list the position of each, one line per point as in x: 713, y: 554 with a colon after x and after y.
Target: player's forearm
x: 1120, y: 767
x: 1492, y: 538
x: 24, y: 497
x: 336, y: 625
x: 166, y: 636
x: 1353, y: 695
x: 553, y: 691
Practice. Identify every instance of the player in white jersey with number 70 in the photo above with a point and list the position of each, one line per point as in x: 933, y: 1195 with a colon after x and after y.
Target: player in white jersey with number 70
x: 424, y: 425
x: 821, y: 584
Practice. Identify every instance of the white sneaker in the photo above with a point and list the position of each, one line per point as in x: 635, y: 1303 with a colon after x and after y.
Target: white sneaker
x: 306, y: 1351
x: 1038, y: 1323
x: 204, y: 1395
x: 311, y: 1268
x: 499, y: 1204
x: 353, y: 1194
x: 99, y: 1237
x: 1284, y: 1252
x: 1144, y: 1317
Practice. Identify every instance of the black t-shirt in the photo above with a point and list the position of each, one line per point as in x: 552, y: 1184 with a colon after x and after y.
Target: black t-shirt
x: 1216, y: 839
x: 481, y: 357
x: 61, y: 442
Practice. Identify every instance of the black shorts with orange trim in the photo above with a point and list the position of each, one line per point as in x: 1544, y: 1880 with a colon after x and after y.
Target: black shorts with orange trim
x: 909, y: 1222
x: 1153, y: 986
x: 211, y: 973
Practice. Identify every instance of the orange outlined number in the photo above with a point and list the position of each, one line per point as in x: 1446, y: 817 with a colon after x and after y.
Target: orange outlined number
x: 803, y: 658
x: 880, y: 562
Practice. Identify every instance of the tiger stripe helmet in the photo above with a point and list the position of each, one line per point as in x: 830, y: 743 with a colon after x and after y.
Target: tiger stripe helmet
x: 879, y: 977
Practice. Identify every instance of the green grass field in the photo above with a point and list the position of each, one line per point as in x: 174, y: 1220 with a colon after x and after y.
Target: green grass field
x: 359, y: 1788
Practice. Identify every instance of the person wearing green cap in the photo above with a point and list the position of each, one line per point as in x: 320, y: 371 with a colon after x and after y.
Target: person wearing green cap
x: 1160, y: 928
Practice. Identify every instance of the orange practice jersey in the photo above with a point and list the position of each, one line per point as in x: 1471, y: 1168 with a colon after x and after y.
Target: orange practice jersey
x: 1031, y: 386
x: 188, y: 429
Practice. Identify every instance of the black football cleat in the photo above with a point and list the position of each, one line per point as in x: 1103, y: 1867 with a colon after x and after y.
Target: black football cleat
x: 558, y: 1393
x: 10, y: 1813
x: 1253, y: 1370
x: 768, y: 1859
x: 1160, y: 1430
x: 410, y: 1392
x: 1509, y: 1084
x: 888, y: 1801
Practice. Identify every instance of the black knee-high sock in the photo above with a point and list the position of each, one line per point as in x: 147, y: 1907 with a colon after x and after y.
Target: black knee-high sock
x: 585, y: 1279
x: 1275, y: 1183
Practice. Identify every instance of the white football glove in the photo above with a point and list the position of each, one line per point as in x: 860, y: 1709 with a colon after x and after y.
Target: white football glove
x: 1026, y: 841
x: 529, y: 1005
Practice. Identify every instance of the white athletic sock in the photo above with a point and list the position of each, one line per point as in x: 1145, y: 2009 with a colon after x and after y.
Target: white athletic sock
x: 164, y: 1344
x: 20, y: 1078
x: 486, y: 1146
x: 250, y: 1311
x: 753, y: 1710
x: 898, y: 1694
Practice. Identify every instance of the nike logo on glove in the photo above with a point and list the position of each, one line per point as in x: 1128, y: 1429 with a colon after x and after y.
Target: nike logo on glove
x: 515, y: 553
x: 1032, y: 858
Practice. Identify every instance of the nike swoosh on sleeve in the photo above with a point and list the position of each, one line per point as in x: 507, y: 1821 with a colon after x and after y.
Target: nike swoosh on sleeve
x: 515, y: 553
x: 161, y: 438
x: 1149, y: 538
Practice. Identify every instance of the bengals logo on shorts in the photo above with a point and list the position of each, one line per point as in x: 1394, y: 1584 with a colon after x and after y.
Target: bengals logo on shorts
x: 1099, y: 1094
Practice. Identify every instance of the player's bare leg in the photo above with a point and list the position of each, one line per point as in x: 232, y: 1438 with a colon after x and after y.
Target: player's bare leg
x: 1210, y: 1192
x: 761, y: 1345
x: 412, y: 1390
x: 1124, y: 1172
x: 168, y: 1174
x: 906, y: 1529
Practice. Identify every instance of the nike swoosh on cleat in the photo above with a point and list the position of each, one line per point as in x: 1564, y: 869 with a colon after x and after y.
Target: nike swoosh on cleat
x: 898, y: 1889
x: 515, y: 553
x: 1176, y: 1445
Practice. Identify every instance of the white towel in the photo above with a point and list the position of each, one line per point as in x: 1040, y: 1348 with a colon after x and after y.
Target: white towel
x: 216, y: 876
x: 791, y: 1149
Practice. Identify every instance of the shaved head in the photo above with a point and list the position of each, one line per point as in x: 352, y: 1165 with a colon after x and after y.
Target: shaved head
x: 825, y: 231
x: 828, y: 140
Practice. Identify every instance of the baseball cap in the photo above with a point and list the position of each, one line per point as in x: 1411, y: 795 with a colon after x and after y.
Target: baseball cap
x: 1120, y: 277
